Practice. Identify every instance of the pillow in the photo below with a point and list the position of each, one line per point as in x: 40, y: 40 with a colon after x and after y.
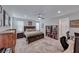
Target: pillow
x: 29, y: 30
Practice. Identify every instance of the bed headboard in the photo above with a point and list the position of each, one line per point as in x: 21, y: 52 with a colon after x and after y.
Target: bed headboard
x: 29, y: 27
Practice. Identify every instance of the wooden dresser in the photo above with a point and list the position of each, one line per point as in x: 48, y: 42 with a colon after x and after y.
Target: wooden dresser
x: 76, y: 47
x: 75, y: 24
x: 8, y: 40
x: 20, y: 35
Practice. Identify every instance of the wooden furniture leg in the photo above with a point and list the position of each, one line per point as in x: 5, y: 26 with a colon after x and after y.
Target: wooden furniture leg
x: 13, y: 49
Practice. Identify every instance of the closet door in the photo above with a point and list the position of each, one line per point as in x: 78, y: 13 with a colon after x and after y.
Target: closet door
x: 63, y: 26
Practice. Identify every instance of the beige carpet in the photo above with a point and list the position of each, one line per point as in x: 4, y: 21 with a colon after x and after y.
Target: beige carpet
x: 45, y: 45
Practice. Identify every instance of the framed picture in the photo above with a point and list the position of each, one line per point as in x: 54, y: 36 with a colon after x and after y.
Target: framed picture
x: 1, y: 16
x: 0, y: 9
x: 0, y: 22
x: 74, y: 23
x: 6, y: 19
x: 9, y: 22
x: 29, y: 23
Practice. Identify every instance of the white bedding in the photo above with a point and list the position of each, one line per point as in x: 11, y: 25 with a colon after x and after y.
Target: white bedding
x: 32, y: 33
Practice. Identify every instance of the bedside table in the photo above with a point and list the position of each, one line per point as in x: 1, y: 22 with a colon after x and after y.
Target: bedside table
x: 20, y: 35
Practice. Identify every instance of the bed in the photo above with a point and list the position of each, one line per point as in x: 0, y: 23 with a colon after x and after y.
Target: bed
x: 31, y: 34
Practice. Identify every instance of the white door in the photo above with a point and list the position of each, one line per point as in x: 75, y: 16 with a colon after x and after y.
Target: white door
x: 63, y: 26
x: 37, y: 26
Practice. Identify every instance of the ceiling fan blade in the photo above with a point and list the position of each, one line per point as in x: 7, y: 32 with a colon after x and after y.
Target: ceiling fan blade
x: 43, y: 18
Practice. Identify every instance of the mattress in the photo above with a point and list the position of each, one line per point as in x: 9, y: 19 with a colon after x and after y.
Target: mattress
x: 32, y: 33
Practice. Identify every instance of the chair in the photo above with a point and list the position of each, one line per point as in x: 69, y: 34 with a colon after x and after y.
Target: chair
x: 63, y: 42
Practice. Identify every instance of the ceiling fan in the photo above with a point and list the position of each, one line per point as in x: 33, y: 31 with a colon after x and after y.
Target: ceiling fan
x: 40, y: 16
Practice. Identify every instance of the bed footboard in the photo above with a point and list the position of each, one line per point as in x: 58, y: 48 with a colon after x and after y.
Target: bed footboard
x: 35, y: 38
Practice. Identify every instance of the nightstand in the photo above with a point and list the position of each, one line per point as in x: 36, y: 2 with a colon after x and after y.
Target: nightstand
x: 20, y: 35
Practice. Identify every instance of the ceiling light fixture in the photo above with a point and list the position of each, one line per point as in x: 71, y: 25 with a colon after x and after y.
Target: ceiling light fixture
x: 40, y: 16
x: 58, y: 11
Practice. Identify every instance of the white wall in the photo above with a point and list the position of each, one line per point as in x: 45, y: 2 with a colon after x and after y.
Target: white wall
x: 72, y: 30
x: 74, y: 16
x: 63, y: 26
x: 52, y: 21
x: 3, y: 28
x: 24, y: 22
x: 47, y: 22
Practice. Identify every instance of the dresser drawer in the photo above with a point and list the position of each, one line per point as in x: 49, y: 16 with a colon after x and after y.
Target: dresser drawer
x: 7, y: 40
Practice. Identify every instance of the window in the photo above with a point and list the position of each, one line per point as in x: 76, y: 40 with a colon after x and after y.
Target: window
x: 20, y: 26
x: 37, y: 26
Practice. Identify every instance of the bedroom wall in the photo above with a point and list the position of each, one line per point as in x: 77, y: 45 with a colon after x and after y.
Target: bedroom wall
x: 63, y: 26
x: 23, y: 22
x: 55, y: 21
x: 72, y: 16
x: 3, y: 28
x: 26, y: 22
x: 45, y: 22
x: 75, y: 16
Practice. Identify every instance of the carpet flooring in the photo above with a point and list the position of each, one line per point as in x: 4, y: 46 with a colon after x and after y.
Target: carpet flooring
x: 45, y: 45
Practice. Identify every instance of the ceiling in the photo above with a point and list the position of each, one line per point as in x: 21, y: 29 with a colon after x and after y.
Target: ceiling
x: 32, y: 11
